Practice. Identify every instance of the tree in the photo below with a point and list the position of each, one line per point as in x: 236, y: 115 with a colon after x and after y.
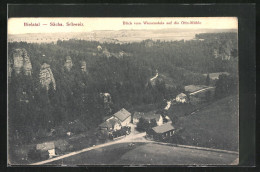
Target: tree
x: 225, y: 85
x: 153, y: 123
x: 208, y: 96
x: 207, y: 80
x: 142, y: 125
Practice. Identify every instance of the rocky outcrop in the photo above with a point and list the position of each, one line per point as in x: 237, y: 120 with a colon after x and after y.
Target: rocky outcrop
x: 99, y: 48
x: 224, y: 51
x: 21, y: 62
x: 68, y: 63
x: 148, y: 43
x: 10, y: 69
x: 107, y: 102
x: 106, y: 97
x: 46, y: 77
x: 106, y: 53
x: 83, y: 66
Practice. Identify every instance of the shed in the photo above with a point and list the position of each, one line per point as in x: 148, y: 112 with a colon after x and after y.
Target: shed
x: 47, y: 146
x: 181, y: 98
x: 162, y: 132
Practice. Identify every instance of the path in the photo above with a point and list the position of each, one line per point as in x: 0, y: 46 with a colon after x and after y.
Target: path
x: 130, y: 138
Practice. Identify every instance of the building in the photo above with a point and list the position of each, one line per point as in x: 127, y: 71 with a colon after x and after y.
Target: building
x: 181, y: 98
x: 110, y: 125
x: 215, y: 76
x: 162, y: 132
x: 123, y: 116
x: 148, y: 117
x: 194, y: 88
x: 46, y: 147
x: 199, y: 93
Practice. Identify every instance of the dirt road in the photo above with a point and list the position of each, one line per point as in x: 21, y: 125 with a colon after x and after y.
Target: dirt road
x: 130, y: 138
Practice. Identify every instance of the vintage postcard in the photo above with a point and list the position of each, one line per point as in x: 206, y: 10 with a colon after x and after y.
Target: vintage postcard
x: 123, y: 91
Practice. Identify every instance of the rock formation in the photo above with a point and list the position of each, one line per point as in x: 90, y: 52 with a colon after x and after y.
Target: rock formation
x: 149, y: 43
x: 21, y: 62
x: 10, y: 69
x: 68, y: 63
x: 83, y: 66
x: 107, y: 102
x: 224, y: 51
x: 106, y: 53
x: 46, y: 77
x: 99, y: 48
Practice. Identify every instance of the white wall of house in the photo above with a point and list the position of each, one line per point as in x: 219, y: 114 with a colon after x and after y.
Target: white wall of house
x: 135, y: 120
x: 117, y: 126
x: 126, y: 121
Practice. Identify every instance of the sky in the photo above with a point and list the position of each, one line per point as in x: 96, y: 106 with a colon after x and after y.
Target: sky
x: 16, y: 25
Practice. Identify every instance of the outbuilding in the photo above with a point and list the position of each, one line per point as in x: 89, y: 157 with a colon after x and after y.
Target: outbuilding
x: 162, y: 132
x: 181, y: 98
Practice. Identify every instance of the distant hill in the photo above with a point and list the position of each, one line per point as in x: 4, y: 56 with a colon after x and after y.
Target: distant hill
x: 115, y: 36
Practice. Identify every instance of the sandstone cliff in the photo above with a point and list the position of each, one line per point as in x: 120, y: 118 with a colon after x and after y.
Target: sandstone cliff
x: 83, y: 66
x: 106, y: 97
x: 46, y: 77
x: 68, y: 63
x: 224, y: 51
x: 21, y: 62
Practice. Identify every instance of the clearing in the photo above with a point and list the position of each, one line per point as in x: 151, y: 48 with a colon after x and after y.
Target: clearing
x: 214, y: 126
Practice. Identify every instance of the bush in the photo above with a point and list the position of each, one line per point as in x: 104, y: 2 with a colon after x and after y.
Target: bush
x: 144, y: 125
x: 41, y: 133
x: 60, y: 131
x: 75, y: 127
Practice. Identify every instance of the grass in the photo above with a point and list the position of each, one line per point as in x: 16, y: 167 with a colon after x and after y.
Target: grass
x: 145, y: 154
x: 214, y: 126
x: 18, y: 154
x: 156, y: 154
x: 106, y: 155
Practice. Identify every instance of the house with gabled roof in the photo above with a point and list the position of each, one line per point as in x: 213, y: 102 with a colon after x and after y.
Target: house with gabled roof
x: 161, y: 132
x: 123, y: 116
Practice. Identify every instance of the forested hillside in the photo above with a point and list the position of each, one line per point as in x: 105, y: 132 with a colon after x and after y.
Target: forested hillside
x: 122, y: 70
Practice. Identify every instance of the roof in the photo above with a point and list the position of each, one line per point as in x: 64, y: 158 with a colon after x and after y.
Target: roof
x: 109, y: 124
x: 122, y: 114
x: 181, y: 95
x: 147, y: 115
x: 105, y: 125
x: 163, y: 128
x: 214, y: 76
x: 45, y: 146
x: 138, y: 114
x: 193, y: 88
